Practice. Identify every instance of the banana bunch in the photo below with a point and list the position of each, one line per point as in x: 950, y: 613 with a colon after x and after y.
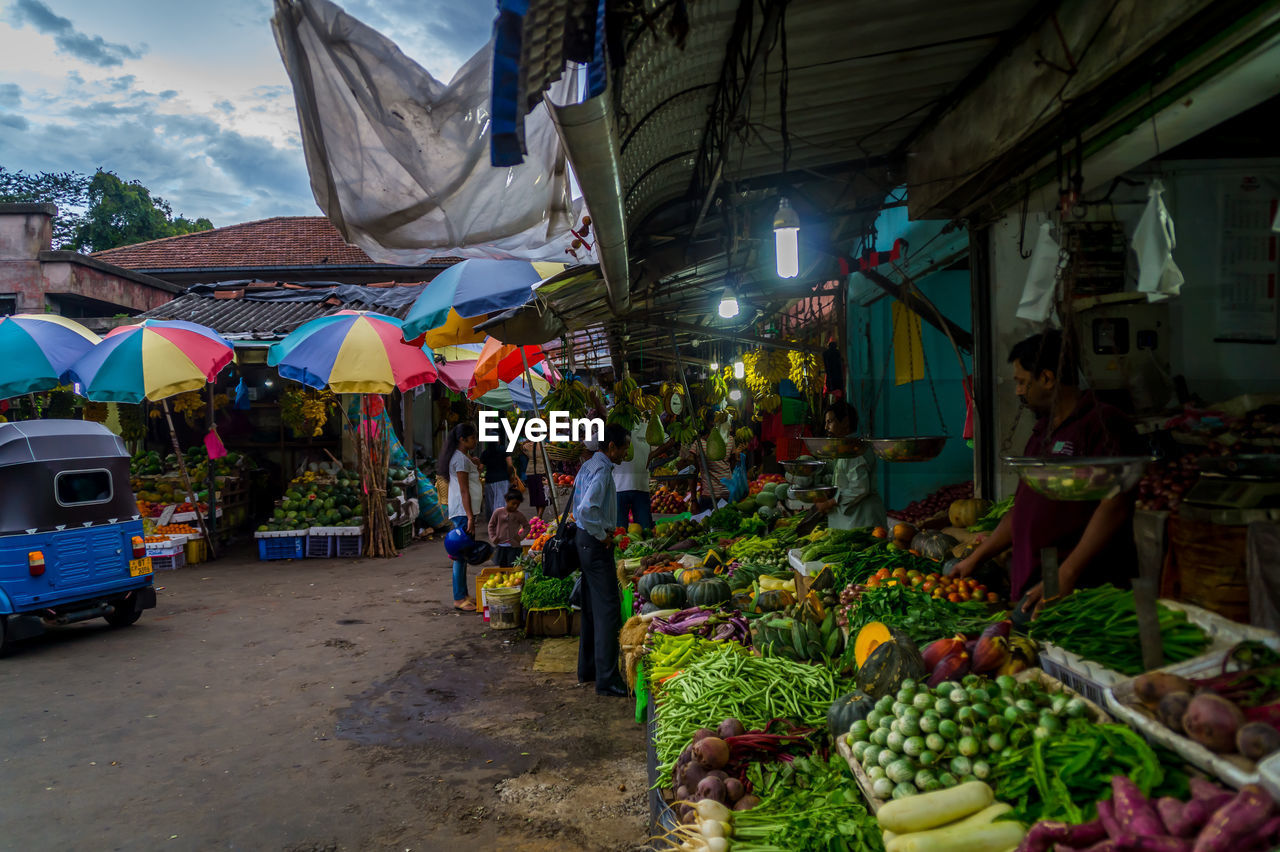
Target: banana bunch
x: 743, y: 436
x: 802, y: 369
x: 570, y: 396
x: 715, y: 389
x: 773, y: 365
x: 683, y: 430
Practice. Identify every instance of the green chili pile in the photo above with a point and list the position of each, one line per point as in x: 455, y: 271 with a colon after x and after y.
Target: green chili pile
x: 1045, y: 779
x: 809, y: 803
x: 1101, y: 625
x: 754, y: 690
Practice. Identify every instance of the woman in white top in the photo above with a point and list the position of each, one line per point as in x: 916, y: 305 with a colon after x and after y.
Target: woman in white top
x: 465, y: 494
x: 631, y: 480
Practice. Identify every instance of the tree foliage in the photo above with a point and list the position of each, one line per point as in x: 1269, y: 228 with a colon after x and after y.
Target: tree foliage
x: 99, y: 212
x: 68, y: 190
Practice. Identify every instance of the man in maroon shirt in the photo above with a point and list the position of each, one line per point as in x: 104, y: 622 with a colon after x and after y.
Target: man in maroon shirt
x: 1094, y: 540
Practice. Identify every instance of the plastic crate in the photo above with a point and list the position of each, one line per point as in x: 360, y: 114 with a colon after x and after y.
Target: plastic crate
x: 348, y: 546
x: 319, y: 546
x: 283, y: 544
x: 1093, y: 680
x: 1231, y: 769
x: 168, y: 563
x: 401, y: 535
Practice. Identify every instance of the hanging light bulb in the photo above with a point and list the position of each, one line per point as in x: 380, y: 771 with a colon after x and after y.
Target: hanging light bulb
x: 739, y: 369
x: 728, y: 303
x: 735, y: 395
x: 714, y: 365
x: 786, y: 239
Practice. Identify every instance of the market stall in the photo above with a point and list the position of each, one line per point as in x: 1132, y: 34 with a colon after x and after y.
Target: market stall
x: 809, y: 688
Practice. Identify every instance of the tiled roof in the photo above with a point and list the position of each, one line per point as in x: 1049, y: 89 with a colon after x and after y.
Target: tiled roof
x: 282, y: 241
x: 240, y: 318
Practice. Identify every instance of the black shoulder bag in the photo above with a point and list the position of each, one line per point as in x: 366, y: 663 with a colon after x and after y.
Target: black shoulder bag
x: 560, y: 554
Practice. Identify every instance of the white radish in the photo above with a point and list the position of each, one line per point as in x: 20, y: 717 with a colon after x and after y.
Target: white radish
x: 717, y: 844
x: 709, y: 828
x: 710, y: 809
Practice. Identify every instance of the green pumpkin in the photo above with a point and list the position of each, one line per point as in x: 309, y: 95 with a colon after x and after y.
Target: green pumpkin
x: 823, y: 580
x: 709, y: 592
x: 741, y: 601
x: 667, y: 596
x: 933, y: 544
x: 888, y: 666
x: 846, y: 710
x: 646, y: 584
x: 774, y: 600
x: 692, y: 575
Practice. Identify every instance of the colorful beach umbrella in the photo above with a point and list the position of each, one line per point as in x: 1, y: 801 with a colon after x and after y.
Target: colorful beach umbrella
x: 457, y: 366
x: 500, y: 362
x: 154, y: 359
x: 36, y: 349
x: 353, y: 352
x: 473, y: 288
x: 516, y: 393
x: 456, y: 331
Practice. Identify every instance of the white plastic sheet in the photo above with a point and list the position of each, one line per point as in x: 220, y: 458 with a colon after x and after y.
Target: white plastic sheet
x: 399, y: 161
x: 1154, y: 241
x: 1041, y: 287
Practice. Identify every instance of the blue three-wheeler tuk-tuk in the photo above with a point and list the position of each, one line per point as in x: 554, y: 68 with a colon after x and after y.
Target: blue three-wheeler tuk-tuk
x: 72, y: 545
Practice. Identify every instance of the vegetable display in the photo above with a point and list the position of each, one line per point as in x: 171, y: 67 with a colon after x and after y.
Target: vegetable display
x: 962, y: 819
x: 754, y: 690
x: 923, y: 739
x: 938, y: 501
x: 1102, y: 625
x: 920, y: 616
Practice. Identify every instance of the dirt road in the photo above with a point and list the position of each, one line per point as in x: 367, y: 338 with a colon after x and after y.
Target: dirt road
x: 310, y: 705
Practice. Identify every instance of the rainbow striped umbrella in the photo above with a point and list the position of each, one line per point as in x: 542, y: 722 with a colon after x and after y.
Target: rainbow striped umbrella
x: 36, y: 349
x: 353, y: 352
x: 154, y: 359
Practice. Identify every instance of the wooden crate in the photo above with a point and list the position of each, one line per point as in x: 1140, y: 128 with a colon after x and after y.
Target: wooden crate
x: 1210, y: 563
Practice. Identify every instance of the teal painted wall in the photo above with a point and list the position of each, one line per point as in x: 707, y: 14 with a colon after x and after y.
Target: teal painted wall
x: 886, y: 409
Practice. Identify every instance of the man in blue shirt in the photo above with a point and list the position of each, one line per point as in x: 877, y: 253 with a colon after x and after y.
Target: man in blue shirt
x: 595, y: 509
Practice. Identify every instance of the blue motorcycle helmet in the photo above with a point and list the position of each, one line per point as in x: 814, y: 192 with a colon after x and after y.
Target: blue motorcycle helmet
x: 459, y: 545
x: 457, y: 541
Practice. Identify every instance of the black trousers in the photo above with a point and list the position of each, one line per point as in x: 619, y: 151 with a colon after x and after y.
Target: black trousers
x: 601, y: 614
x: 504, y: 555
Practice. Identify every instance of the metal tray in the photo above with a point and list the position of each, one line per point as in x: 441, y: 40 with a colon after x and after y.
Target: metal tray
x: 850, y: 446
x: 1071, y: 478
x: 811, y: 495
x: 915, y: 449
x: 1264, y: 467
x: 804, y: 468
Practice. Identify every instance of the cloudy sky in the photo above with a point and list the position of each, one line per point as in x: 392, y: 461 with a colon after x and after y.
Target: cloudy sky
x: 191, y: 99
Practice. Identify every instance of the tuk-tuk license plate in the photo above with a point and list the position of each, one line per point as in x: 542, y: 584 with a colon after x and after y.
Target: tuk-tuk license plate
x: 141, y: 566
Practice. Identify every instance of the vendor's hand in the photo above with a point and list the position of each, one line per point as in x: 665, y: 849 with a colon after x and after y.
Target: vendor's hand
x: 963, y: 568
x: 1033, y: 602
x: 471, y: 524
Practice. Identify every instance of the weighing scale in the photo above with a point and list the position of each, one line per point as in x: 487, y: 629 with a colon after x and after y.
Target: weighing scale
x: 1237, y: 482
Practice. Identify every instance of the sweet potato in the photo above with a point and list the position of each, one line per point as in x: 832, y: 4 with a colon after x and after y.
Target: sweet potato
x: 1236, y: 821
x: 1170, y: 809
x: 1152, y: 843
x: 1133, y: 813
x: 1198, y: 811
x: 1044, y: 834
x: 1202, y: 789
x: 1107, y: 816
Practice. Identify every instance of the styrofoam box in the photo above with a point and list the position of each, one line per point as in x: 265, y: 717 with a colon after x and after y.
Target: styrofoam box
x: 811, y: 567
x: 1093, y: 679
x: 1232, y: 769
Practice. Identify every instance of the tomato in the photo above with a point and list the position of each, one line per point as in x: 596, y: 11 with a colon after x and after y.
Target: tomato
x: 917, y: 581
x: 992, y: 597
x: 953, y: 597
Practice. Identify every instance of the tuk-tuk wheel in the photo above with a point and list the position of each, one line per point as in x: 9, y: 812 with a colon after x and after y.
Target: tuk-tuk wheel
x: 124, y: 617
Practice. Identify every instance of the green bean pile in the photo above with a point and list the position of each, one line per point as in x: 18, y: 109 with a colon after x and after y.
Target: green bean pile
x: 1101, y: 625
x: 753, y: 690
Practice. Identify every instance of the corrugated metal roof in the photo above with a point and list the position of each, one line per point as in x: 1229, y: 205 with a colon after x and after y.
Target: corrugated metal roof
x: 241, y: 318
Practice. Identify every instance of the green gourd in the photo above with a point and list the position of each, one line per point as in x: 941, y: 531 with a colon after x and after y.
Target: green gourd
x: 654, y: 435
x: 846, y: 710
x: 668, y: 596
x: 888, y: 666
x: 648, y: 582
x: 716, y: 449
x: 774, y: 600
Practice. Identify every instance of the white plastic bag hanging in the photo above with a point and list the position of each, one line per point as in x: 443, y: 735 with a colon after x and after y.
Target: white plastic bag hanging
x: 1042, y: 278
x: 1154, y: 241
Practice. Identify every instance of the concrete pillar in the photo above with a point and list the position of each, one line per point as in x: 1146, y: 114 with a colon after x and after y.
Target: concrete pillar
x: 25, y: 231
